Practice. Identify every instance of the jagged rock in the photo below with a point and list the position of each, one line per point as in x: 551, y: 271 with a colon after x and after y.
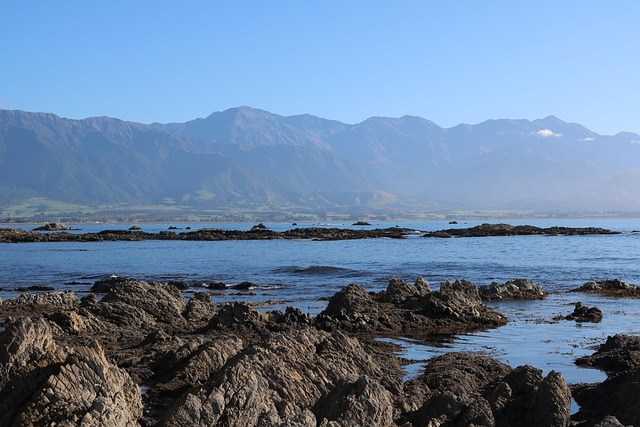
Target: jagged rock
x: 402, y: 309
x: 582, y: 313
x: 614, y: 287
x: 199, y: 309
x: 135, y: 303
x: 605, y: 284
x: 351, y: 302
x: 52, y: 226
x: 609, y: 421
x: 42, y: 384
x: 619, y: 357
x: 244, y: 286
x: 292, y: 379
x: 70, y: 321
x: 477, y: 390
x: 620, y: 353
x: 398, y: 291
x: 60, y: 300
x: 238, y: 316
x: 616, y: 396
x: 518, y: 289
x: 185, y: 367
x: 363, y: 402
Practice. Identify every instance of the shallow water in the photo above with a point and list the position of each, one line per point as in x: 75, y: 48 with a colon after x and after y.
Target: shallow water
x: 304, y: 273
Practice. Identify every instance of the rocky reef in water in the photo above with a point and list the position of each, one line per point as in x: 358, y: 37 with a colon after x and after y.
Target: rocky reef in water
x: 15, y: 235
x: 52, y: 233
x: 487, y: 230
x: 138, y: 354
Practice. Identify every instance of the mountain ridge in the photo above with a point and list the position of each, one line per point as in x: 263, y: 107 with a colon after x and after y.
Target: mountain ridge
x: 247, y: 158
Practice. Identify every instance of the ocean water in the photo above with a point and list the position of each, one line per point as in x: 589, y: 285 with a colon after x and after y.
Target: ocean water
x: 304, y: 273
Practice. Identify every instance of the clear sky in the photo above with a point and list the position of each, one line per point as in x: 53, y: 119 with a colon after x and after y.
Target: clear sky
x: 448, y: 61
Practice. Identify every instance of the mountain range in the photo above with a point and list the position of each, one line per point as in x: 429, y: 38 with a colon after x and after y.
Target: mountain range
x: 249, y: 159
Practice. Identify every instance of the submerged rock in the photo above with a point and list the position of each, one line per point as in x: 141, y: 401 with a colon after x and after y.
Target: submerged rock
x: 518, y: 289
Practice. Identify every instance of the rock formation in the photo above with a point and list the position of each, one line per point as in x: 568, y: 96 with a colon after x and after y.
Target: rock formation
x: 613, y: 287
x: 617, y: 397
x: 582, y: 313
x: 518, y: 289
x: 141, y: 355
x: 409, y: 310
x: 466, y: 390
x: 45, y: 384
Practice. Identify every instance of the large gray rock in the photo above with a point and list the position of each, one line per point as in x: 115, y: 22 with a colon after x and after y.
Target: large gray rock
x: 406, y: 309
x: 304, y: 378
x: 43, y: 384
x: 60, y: 300
x: 518, y: 289
x: 138, y: 304
x: 51, y: 226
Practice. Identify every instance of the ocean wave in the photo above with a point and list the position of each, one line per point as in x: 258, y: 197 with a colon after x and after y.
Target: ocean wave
x: 313, y: 270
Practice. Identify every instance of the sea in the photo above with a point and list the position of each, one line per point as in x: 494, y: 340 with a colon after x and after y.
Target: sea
x: 305, y: 273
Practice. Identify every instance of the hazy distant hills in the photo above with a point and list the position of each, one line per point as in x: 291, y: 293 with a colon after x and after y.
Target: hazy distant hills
x: 245, y: 158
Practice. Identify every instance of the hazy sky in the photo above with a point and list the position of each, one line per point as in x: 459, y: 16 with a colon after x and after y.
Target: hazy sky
x: 448, y: 61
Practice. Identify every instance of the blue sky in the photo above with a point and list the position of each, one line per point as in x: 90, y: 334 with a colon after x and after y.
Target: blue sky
x: 448, y: 61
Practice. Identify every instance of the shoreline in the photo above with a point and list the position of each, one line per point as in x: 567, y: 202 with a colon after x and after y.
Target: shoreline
x: 158, y: 360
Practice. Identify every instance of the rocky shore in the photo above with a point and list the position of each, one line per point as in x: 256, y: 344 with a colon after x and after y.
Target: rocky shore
x: 138, y: 354
x: 56, y: 232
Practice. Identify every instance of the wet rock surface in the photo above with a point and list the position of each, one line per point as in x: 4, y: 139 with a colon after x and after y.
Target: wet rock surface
x: 140, y: 355
x: 615, y: 400
x: 582, y: 313
x: 486, y: 230
x: 612, y: 287
x: 409, y: 310
x: 518, y: 289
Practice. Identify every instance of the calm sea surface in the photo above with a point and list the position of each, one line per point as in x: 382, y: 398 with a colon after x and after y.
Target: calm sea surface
x: 303, y: 273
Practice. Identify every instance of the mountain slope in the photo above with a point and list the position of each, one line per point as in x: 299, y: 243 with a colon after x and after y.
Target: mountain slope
x: 245, y: 158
